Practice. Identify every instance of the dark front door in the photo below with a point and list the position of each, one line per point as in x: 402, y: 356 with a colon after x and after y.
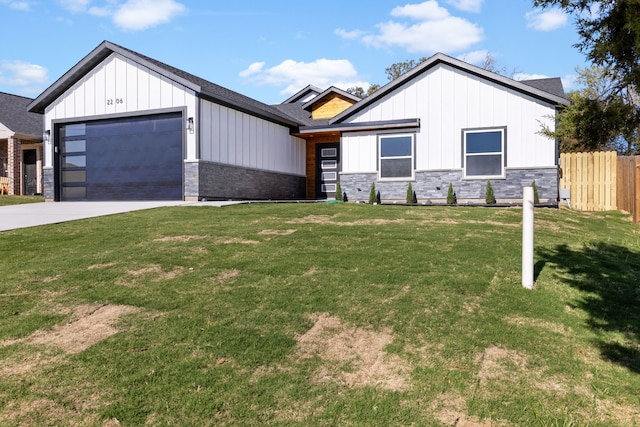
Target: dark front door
x: 29, y: 160
x: 327, y: 168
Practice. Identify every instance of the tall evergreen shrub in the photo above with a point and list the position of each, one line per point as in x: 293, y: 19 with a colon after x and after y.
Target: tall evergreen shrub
x: 452, y: 199
x: 372, y: 193
x: 536, y: 199
x: 410, y: 194
x: 338, y: 195
x: 489, y: 197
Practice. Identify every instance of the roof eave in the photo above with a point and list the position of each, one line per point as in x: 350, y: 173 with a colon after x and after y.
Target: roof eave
x: 86, y: 64
x: 364, y: 126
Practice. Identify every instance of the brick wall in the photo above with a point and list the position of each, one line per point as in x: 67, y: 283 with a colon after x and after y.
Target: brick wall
x: 207, y: 180
x: 15, y: 165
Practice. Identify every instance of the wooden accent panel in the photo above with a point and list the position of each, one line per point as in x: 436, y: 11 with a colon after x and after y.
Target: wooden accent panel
x: 331, y: 107
x: 311, y: 160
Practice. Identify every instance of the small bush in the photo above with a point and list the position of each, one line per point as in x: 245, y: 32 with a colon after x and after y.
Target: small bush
x: 452, y: 199
x: 489, y: 197
x: 338, y: 195
x: 372, y: 193
x: 536, y: 199
x: 411, y: 195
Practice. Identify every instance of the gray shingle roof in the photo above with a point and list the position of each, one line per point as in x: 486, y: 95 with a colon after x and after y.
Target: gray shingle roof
x: 551, y: 85
x: 15, y: 115
x: 205, y: 88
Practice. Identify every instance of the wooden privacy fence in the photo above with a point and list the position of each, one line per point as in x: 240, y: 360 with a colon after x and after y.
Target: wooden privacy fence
x: 602, y: 181
x: 591, y: 178
x: 628, y: 184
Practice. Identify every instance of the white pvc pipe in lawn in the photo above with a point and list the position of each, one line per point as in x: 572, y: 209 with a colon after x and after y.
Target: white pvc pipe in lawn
x: 527, y: 237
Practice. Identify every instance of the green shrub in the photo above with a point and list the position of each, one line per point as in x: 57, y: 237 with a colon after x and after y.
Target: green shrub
x: 372, y: 193
x: 536, y: 199
x: 411, y: 196
x: 452, y: 199
x: 489, y: 197
x: 338, y: 195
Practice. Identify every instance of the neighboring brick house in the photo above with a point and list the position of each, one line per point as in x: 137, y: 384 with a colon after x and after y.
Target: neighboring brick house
x: 124, y: 126
x: 20, y: 146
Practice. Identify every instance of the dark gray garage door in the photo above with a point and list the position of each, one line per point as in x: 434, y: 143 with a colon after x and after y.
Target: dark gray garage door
x: 134, y: 158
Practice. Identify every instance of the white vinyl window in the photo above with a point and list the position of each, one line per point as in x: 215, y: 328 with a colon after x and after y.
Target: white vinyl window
x: 395, y: 157
x: 484, y: 153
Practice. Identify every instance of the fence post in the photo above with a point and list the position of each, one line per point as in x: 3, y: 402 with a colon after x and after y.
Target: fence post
x: 527, y: 237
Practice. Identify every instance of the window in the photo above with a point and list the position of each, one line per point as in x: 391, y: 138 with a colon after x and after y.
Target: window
x: 484, y: 153
x: 395, y: 159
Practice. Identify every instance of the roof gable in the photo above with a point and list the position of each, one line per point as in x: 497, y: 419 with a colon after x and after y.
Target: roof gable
x: 202, y: 87
x: 440, y: 58
x: 15, y: 116
x: 304, y: 94
x: 331, y: 92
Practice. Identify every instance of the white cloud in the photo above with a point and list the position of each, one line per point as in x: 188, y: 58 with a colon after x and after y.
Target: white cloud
x: 136, y: 15
x: 525, y: 76
x: 355, y: 34
x: 24, y: 6
x: 435, y: 30
x: 476, y: 57
x: 254, y: 68
x: 569, y: 81
x: 467, y: 5
x: 546, y: 21
x: 27, y: 78
x: 75, y: 6
x: 293, y: 75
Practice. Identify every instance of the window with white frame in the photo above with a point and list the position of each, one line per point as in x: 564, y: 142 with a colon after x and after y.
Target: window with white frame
x: 395, y: 156
x: 484, y: 152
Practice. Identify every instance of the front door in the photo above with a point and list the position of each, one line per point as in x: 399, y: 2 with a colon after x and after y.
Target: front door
x: 327, y: 168
x: 30, y: 172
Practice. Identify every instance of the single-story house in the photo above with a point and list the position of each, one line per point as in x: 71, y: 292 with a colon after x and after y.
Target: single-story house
x: 20, y: 147
x: 121, y: 125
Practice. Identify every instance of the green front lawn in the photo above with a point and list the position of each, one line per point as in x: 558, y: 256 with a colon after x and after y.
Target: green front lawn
x: 321, y: 314
x: 18, y: 200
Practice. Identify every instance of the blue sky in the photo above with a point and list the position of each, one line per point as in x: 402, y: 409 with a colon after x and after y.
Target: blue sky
x: 269, y: 50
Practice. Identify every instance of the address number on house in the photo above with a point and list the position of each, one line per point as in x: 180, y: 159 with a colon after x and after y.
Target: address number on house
x: 115, y: 101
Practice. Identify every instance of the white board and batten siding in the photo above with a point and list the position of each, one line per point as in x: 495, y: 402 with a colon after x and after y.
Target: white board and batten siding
x: 235, y: 138
x: 447, y: 100
x: 120, y: 85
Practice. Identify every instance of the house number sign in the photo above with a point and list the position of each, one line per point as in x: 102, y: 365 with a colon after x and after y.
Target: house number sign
x: 115, y: 101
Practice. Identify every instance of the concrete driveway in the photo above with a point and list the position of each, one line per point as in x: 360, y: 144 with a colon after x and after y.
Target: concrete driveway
x: 32, y: 214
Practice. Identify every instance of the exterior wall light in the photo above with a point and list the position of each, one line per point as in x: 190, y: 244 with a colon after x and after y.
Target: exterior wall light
x: 190, y: 126
x: 46, y: 135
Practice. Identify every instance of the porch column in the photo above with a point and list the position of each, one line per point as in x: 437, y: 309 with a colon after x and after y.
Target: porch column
x: 14, y: 157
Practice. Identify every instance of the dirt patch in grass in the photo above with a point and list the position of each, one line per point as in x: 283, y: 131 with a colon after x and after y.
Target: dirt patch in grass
x: 225, y: 276
x: 44, y: 411
x: 101, y: 266
x: 451, y: 410
x: 90, y: 324
x: 353, y: 356
x: 330, y: 220
x: 236, y: 240
x: 179, y: 238
x: 277, y: 232
x: 537, y: 323
x: 499, y: 363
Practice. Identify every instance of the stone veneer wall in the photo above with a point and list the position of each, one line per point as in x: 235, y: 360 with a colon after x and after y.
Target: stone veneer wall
x: 48, y: 190
x: 432, y: 186
x: 208, y: 180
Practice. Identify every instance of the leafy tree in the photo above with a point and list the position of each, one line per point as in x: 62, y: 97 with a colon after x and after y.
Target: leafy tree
x: 399, y: 68
x: 452, y: 199
x: 602, y: 115
x: 610, y: 33
x: 361, y: 93
x: 489, y: 197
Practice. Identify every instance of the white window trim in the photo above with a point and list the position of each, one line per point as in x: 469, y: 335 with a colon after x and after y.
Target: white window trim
x: 503, y: 153
x: 412, y: 157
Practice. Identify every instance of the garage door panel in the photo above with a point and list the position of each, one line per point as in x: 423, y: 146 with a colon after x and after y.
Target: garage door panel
x: 136, y: 158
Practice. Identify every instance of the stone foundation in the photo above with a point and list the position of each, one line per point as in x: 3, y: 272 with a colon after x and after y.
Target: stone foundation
x: 432, y: 186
